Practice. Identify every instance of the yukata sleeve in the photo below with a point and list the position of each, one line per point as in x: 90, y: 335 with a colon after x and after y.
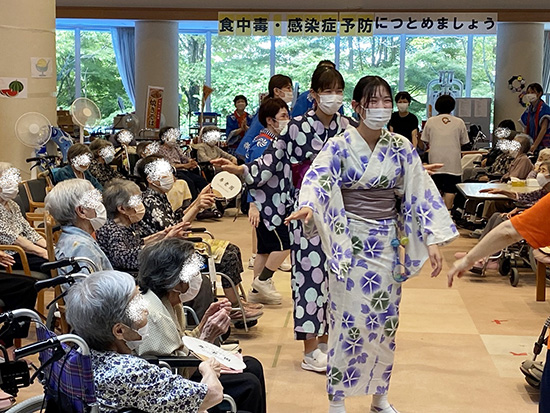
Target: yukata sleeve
x: 271, y: 163
x: 423, y: 217
x: 321, y: 191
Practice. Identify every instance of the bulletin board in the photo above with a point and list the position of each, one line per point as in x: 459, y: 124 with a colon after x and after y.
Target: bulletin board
x: 475, y: 111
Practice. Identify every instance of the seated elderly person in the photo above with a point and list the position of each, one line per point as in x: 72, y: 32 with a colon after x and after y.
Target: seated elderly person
x: 14, y: 228
x: 159, y: 216
x: 544, y: 156
x: 169, y: 275
x: 104, y: 153
x: 76, y: 206
x: 108, y: 312
x: 521, y: 165
x: 79, y: 157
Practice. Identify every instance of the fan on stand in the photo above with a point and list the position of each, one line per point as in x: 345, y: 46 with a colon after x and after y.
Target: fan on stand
x: 85, y: 113
x: 33, y: 129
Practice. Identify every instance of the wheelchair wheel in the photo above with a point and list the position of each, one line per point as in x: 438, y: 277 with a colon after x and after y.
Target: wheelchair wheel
x: 34, y: 404
x: 504, y: 266
x: 514, y: 277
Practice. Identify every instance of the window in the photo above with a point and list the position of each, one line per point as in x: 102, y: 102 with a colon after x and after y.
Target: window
x: 65, y: 63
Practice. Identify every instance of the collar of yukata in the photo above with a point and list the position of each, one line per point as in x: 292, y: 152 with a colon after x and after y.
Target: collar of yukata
x: 136, y: 308
x: 171, y: 135
x: 10, y: 177
x: 152, y: 148
x: 91, y: 199
x: 124, y: 137
x: 82, y: 160
x: 106, y: 151
x: 191, y: 267
x: 157, y: 169
x: 212, y: 136
x: 135, y: 201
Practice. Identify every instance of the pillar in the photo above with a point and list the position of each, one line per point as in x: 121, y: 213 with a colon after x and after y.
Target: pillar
x: 520, y: 51
x: 157, y: 65
x: 27, y: 29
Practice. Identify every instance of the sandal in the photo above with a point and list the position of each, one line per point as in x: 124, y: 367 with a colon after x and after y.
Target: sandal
x: 6, y: 401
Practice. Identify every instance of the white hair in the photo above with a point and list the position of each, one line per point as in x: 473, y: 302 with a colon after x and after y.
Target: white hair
x: 64, y: 198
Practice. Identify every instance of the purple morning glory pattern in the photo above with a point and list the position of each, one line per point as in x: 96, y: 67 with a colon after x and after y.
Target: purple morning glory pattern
x: 364, y: 297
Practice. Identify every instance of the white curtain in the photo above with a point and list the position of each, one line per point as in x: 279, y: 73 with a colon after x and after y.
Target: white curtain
x: 546, y: 64
x: 125, y: 53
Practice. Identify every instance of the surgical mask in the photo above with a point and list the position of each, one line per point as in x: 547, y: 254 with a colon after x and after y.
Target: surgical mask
x: 194, y: 287
x: 80, y: 168
x: 530, y: 97
x: 402, y: 107
x: 282, y: 125
x: 330, y: 104
x: 143, y: 332
x: 377, y: 118
x: 9, y: 192
x: 109, y: 158
x: 138, y: 214
x: 542, y: 179
x: 100, y: 218
x: 166, y: 183
x: 288, y: 97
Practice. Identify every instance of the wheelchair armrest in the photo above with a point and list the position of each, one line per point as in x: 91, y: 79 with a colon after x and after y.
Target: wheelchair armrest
x: 196, y: 229
x: 174, y: 361
x: 193, y: 239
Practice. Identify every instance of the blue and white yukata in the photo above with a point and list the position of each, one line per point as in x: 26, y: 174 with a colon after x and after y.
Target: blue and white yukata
x: 274, y: 180
x: 363, y: 200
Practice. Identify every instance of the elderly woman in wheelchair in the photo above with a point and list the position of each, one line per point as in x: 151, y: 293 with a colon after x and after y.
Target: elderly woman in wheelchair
x: 108, y: 312
x: 169, y: 274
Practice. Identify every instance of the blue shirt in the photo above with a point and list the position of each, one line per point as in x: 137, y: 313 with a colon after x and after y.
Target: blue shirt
x: 251, y: 133
x: 532, y: 119
x: 75, y: 242
x: 65, y: 173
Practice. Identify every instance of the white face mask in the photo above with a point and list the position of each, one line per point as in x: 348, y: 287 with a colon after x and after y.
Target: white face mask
x: 100, y: 217
x: 9, y: 192
x: 282, y: 125
x: 330, y: 104
x: 530, y: 97
x: 143, y: 332
x: 542, y: 179
x: 194, y: 287
x: 402, y: 107
x: 288, y: 97
x: 376, y: 118
x: 166, y: 183
x: 80, y: 168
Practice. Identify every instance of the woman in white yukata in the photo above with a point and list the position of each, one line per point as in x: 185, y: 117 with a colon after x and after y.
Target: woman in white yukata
x: 371, y: 202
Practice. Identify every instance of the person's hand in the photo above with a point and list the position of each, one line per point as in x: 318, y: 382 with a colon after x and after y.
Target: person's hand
x: 210, y: 366
x: 221, y: 305
x: 305, y: 214
x: 6, y: 259
x: 177, y: 231
x: 541, y: 256
x: 43, y: 253
x: 215, y: 326
x: 457, y: 270
x: 432, y: 167
x: 533, y: 149
x: 192, y: 164
x: 492, y: 191
x: 227, y: 165
x: 253, y: 215
x: 435, y: 259
x: 206, y: 198
x: 511, y: 213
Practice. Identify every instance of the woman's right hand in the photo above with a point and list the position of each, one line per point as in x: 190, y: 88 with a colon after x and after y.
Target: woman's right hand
x: 227, y: 165
x: 304, y: 213
x: 6, y: 259
x: 253, y: 215
x: 211, y: 366
x: 206, y: 198
x: 215, y: 326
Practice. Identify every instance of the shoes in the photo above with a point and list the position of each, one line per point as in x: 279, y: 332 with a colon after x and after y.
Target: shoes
x: 285, y: 266
x: 237, y: 315
x: 389, y: 409
x: 323, y: 347
x: 249, y: 324
x: 265, y: 292
x: 252, y: 306
x: 476, y: 234
x: 206, y: 214
x: 251, y: 262
x: 317, y: 362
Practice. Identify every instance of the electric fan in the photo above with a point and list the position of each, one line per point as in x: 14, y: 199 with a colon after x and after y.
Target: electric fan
x: 33, y: 129
x: 85, y: 113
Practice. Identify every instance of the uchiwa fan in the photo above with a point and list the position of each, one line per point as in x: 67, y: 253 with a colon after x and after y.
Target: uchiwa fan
x: 85, y: 113
x: 33, y: 129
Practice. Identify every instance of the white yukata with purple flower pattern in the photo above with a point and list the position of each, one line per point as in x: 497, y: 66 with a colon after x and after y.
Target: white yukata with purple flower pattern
x: 364, y: 297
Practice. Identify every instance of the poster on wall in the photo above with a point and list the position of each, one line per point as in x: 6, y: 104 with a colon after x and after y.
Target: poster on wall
x: 153, y: 109
x: 42, y: 67
x: 13, y: 87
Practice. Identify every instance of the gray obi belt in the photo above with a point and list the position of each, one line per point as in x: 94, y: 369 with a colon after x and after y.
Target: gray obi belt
x: 374, y: 203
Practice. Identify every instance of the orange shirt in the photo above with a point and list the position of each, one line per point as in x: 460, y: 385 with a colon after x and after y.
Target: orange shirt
x: 534, y: 224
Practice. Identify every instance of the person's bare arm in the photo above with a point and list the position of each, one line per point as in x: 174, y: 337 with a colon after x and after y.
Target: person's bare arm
x: 31, y: 248
x: 210, y: 371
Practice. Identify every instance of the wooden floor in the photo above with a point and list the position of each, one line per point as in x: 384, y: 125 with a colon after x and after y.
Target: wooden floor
x: 458, y: 350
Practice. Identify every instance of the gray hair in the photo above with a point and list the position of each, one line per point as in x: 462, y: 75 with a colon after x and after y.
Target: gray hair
x: 525, y: 141
x: 97, y: 303
x: 118, y: 193
x: 160, y: 264
x: 4, y: 166
x: 63, y: 199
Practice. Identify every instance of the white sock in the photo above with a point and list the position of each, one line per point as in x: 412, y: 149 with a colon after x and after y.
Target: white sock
x: 380, y: 401
x: 337, y: 407
x: 323, y: 347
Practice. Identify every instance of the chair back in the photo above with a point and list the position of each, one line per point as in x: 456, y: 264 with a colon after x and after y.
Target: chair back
x: 36, y: 190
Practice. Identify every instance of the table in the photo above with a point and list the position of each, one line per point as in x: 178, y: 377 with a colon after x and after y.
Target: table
x: 470, y: 190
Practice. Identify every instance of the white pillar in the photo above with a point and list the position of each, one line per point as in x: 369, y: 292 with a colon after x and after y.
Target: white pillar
x: 157, y: 65
x: 520, y: 51
x: 27, y: 29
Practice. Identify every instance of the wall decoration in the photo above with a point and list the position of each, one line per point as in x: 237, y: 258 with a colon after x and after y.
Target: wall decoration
x: 42, y: 67
x: 13, y: 87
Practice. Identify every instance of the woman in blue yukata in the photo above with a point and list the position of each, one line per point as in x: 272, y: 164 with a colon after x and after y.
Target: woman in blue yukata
x: 380, y: 217
x: 275, y: 180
